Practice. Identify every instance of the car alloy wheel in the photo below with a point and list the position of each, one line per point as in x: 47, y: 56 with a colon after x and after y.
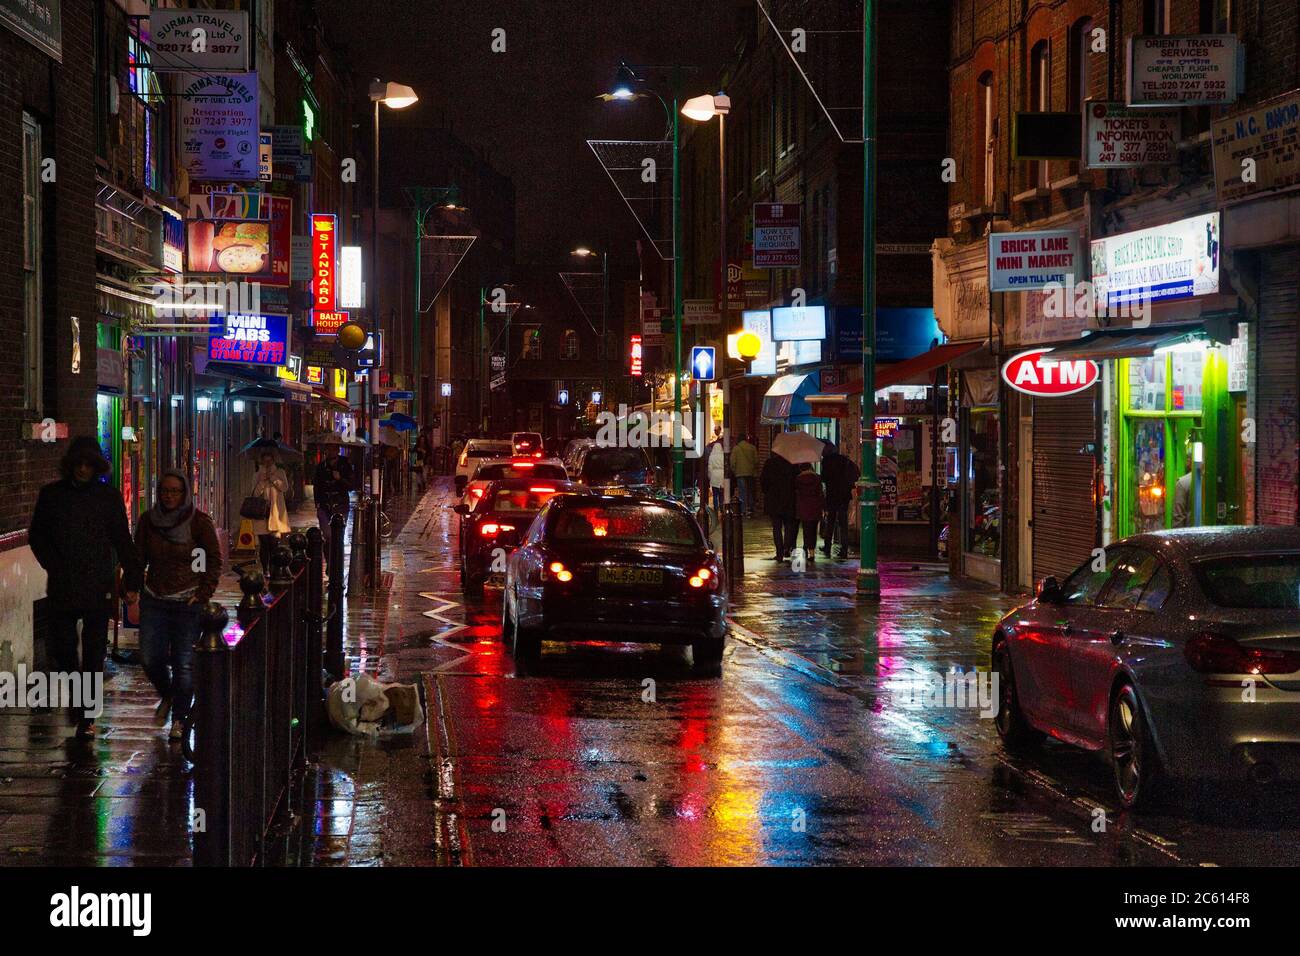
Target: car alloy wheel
x: 1009, y: 721
x: 1131, y: 755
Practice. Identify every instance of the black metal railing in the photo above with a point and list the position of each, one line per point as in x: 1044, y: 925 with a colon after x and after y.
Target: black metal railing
x: 258, y: 704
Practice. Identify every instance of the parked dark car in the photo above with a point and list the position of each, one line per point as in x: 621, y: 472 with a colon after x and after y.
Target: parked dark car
x: 1175, y: 653
x: 623, y: 568
x: 497, y: 523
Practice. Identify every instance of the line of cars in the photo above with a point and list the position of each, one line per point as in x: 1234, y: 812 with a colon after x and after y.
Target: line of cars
x: 588, y: 548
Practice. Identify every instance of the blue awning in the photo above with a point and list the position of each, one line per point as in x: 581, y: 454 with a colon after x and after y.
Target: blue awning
x: 785, y: 401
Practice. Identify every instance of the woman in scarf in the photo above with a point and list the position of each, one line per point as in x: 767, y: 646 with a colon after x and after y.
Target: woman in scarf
x: 182, y: 559
x: 271, y: 483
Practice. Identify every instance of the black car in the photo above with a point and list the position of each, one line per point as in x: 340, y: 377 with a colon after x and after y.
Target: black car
x: 612, y: 470
x: 494, y: 527
x: 624, y: 568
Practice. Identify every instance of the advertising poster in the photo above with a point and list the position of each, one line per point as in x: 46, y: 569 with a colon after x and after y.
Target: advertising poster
x: 1196, y: 70
x: 1019, y: 261
x: 1116, y: 137
x: 1269, y: 134
x: 776, y: 235
x: 219, y: 126
x: 251, y: 340
x: 1174, y: 261
x: 241, y: 233
x: 175, y: 48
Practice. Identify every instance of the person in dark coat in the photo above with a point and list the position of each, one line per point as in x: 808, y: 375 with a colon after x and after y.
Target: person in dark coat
x: 182, y: 557
x: 79, y: 534
x: 777, y: 482
x: 840, y: 475
x: 330, y: 486
x: 809, y: 501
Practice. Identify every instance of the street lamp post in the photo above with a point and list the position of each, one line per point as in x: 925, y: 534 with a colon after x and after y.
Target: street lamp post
x: 424, y: 206
x: 602, y: 348
x: 868, y: 484
x: 624, y: 82
x: 395, y: 96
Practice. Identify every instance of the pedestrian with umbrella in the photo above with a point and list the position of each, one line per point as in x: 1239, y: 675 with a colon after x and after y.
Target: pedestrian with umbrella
x: 809, y: 500
x: 271, y: 518
x: 777, y: 481
x: 182, y: 558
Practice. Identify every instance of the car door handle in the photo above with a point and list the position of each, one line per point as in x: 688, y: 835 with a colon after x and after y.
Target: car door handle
x: 1117, y: 637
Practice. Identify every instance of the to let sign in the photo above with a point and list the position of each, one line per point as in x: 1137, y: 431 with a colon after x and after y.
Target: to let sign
x: 324, y: 232
x: 1030, y: 260
x: 776, y: 235
x: 1034, y: 373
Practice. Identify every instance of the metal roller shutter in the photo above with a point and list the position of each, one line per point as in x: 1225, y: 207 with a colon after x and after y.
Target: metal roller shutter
x: 1277, y: 463
x: 1064, y: 531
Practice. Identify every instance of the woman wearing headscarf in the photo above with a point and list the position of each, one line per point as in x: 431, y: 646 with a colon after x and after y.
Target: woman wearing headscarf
x: 182, y: 557
x: 271, y: 483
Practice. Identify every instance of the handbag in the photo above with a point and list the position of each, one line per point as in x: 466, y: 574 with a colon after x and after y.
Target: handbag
x: 255, y: 508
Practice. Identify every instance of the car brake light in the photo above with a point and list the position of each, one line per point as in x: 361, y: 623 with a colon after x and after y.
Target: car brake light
x: 523, y: 464
x: 537, y: 454
x: 560, y: 571
x: 703, y: 577
x: 491, y: 528
x: 1217, y: 654
x: 542, y: 491
x: 477, y: 492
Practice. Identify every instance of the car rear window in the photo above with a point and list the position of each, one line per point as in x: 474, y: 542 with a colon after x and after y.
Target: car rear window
x: 522, y: 500
x: 1268, y: 581
x: 624, y: 523
x: 489, y: 451
x: 504, y: 470
x: 608, y: 462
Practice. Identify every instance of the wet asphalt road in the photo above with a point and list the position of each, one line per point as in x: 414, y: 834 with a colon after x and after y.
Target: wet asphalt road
x: 809, y: 749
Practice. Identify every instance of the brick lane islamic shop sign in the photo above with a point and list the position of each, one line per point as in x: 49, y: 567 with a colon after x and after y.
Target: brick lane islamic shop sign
x: 1020, y: 261
x: 251, y: 340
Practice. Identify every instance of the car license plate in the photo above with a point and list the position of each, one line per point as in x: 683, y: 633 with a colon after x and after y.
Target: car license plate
x: 625, y: 575
x: 614, y: 491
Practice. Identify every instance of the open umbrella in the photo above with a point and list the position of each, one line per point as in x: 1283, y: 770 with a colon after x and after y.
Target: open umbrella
x: 399, y: 422
x: 332, y: 438
x: 279, y: 448
x: 798, y: 447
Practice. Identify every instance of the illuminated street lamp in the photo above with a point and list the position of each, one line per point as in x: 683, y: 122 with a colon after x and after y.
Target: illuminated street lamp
x: 585, y: 253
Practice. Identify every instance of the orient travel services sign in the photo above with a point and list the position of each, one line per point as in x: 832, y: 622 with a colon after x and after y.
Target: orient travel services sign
x: 1197, y: 70
x: 1021, y: 261
x: 1034, y: 373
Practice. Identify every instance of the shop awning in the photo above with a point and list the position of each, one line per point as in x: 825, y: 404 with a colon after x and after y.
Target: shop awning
x: 914, y: 371
x: 785, y: 402
x: 1128, y: 342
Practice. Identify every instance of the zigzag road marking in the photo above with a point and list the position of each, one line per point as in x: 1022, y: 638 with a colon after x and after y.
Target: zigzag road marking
x: 453, y: 627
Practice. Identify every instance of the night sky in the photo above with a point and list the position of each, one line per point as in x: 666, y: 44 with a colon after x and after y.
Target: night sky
x: 533, y: 107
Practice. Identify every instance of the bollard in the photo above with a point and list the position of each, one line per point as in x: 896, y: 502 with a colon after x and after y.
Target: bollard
x: 213, y: 740
x: 253, y: 584
x: 298, y: 546
x: 281, y: 575
x: 334, y: 662
x: 733, y: 542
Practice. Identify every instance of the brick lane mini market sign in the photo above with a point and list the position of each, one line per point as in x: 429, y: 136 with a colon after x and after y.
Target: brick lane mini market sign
x: 1020, y: 261
x: 251, y: 340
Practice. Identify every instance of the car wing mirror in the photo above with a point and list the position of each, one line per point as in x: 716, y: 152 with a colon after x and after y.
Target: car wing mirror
x: 461, y: 509
x: 1049, y: 591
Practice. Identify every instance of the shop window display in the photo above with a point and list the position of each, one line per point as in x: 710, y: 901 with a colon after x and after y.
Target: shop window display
x: 983, y: 499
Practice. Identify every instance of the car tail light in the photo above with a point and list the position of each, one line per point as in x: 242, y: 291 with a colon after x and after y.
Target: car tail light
x: 523, y: 464
x: 704, y: 577
x: 490, y: 529
x: 1217, y: 654
x: 539, y: 490
x: 558, y: 569
x: 477, y: 492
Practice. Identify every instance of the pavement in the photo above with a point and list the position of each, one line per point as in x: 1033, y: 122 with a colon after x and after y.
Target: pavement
x: 811, y: 748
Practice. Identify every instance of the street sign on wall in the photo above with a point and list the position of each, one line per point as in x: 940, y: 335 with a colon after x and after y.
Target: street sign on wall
x: 776, y: 235
x: 698, y: 312
x: 324, y: 232
x: 251, y: 340
x: 1116, y: 136
x: 1176, y: 260
x: 175, y: 35
x: 1196, y: 70
x: 1034, y: 373
x: 219, y: 126
x: 1030, y: 260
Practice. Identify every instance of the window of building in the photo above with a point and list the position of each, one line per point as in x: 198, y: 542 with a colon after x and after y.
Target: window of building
x: 1155, y: 16
x: 1080, y: 54
x: 569, y: 345
x: 33, y: 245
x: 984, y: 498
x: 1040, y: 95
x: 531, y: 346
x: 1222, y: 18
x: 990, y: 132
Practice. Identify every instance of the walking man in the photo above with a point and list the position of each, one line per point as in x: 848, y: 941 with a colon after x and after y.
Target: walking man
x: 79, y: 535
x: 777, y: 480
x: 744, y: 468
x: 330, y: 485
x: 840, y: 475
